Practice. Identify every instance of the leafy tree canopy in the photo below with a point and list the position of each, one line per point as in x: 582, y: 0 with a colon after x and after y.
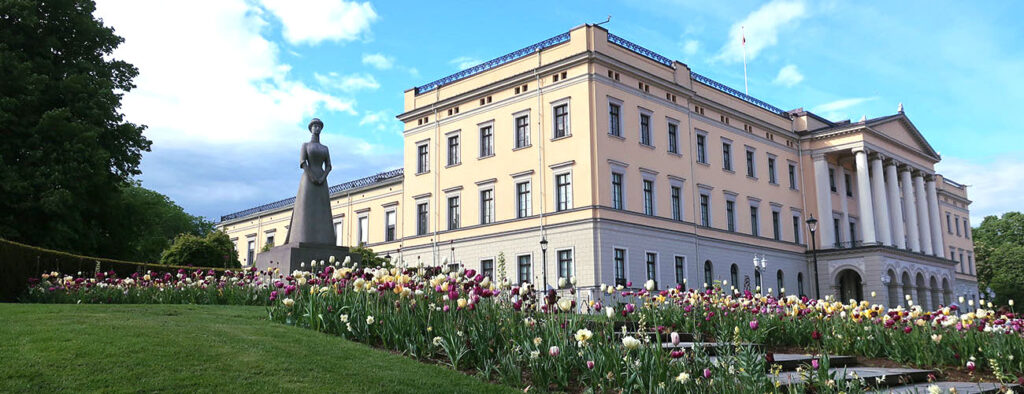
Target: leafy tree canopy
x: 147, y: 223
x: 66, y: 151
x: 213, y: 250
x: 999, y: 251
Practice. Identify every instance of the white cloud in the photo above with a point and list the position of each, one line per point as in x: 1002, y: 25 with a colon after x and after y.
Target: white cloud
x: 347, y: 83
x: 378, y: 61
x: 222, y: 108
x: 788, y: 76
x: 761, y: 29
x: 994, y: 187
x: 464, y: 62
x: 379, y: 120
x: 838, y: 109
x: 314, y: 21
x: 690, y: 47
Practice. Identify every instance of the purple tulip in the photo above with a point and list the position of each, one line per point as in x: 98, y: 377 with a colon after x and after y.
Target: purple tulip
x: 707, y: 373
x: 814, y: 363
x: 753, y: 325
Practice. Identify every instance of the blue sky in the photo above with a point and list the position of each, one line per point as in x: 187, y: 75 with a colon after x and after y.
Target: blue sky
x: 227, y: 87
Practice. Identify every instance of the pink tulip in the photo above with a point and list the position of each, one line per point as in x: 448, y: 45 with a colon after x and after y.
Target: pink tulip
x: 554, y: 351
x: 814, y: 363
x: 753, y: 325
x: 707, y: 373
x: 970, y: 366
x: 675, y: 338
x: 590, y: 365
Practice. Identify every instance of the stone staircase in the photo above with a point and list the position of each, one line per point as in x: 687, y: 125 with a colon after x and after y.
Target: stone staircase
x: 879, y: 379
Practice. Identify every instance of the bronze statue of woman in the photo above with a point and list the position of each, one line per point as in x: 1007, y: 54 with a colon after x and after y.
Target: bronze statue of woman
x: 311, y: 218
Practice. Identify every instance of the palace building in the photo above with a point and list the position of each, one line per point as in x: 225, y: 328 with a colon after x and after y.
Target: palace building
x: 588, y: 156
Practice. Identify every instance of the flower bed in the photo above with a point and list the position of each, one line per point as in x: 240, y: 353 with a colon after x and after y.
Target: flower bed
x: 515, y: 336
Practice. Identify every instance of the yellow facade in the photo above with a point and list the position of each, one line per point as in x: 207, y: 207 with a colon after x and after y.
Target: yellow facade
x: 589, y: 71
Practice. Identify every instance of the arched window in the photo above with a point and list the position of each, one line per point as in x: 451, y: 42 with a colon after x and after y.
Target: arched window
x: 734, y: 275
x: 778, y: 278
x: 708, y: 274
x: 800, y: 284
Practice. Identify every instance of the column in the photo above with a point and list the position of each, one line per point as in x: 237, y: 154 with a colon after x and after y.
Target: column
x: 933, y: 211
x: 910, y: 209
x: 921, y: 202
x: 880, y: 201
x: 867, y: 214
x: 899, y: 236
x: 824, y: 200
x: 844, y: 206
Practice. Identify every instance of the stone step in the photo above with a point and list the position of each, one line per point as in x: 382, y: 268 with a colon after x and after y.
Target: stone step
x: 946, y: 387
x: 790, y: 362
x: 685, y: 337
x: 875, y: 377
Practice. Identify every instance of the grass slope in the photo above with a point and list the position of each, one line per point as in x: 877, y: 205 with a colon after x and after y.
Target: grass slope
x: 46, y: 348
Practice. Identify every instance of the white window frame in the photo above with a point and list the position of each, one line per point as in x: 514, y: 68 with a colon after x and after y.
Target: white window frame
x: 426, y: 162
x: 730, y: 161
x: 672, y: 122
x: 625, y: 262
x: 755, y: 203
x: 339, y: 233
x: 393, y: 211
x: 686, y: 271
x: 773, y: 170
x: 796, y: 174
x: 568, y: 117
x: 515, y: 130
x: 494, y: 214
x: 730, y: 197
x: 448, y: 150
x: 641, y: 112
x: 480, y: 139
x: 657, y: 263
x: 363, y: 232
x: 697, y: 149
x: 558, y: 267
x: 518, y: 278
x: 753, y: 161
x: 447, y: 209
x: 614, y: 101
x: 706, y: 192
x: 777, y: 208
x: 568, y: 198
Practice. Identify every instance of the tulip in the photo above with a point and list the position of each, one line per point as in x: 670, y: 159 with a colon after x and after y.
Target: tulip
x: 288, y: 302
x: 649, y: 285
x: 707, y: 373
x: 970, y: 366
x: 683, y: 378
x: 814, y: 364
x: 590, y: 364
x: 753, y: 325
x: 630, y: 343
x: 675, y: 338
x: 609, y: 312
x: 554, y: 351
x: 676, y: 353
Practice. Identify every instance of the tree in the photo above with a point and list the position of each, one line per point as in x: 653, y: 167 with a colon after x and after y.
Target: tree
x: 999, y: 252
x: 147, y: 223
x: 66, y: 150
x: 213, y: 250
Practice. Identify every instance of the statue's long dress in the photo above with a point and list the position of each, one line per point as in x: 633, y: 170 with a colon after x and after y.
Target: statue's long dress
x: 311, y: 217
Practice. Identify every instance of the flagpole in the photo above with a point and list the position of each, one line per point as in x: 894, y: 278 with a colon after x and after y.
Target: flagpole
x: 743, y: 34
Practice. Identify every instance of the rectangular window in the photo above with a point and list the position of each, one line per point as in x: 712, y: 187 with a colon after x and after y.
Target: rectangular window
x: 832, y: 179
x: 561, y: 120
x: 853, y: 234
x: 453, y: 212
x: 487, y: 206
x: 754, y: 225
x: 250, y: 252
x: 563, y: 192
x: 702, y: 154
x: 730, y: 215
x: 620, y: 265
x: 565, y: 263
x: 957, y: 223
x: 848, y: 181
x: 421, y: 218
x: 616, y: 190
x: 796, y: 229
x: 524, y: 269
x: 949, y: 224
x: 614, y: 127
x: 486, y: 141
x: 792, y: 177
x: 338, y: 233
x: 771, y: 171
x: 364, y: 233
x: 390, y: 221
x: 422, y: 162
x: 705, y: 216
x: 522, y: 131
x: 487, y: 268
x: 727, y: 156
x: 677, y: 211
x: 453, y: 150
x: 835, y: 229
x: 750, y: 164
x: 270, y: 240
x: 652, y: 265
x: 680, y: 269
x: 776, y: 226
x: 648, y: 197
x: 645, y: 129
x: 673, y: 138
x: 522, y: 199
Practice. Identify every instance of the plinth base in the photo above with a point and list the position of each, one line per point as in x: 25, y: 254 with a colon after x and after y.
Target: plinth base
x: 289, y: 257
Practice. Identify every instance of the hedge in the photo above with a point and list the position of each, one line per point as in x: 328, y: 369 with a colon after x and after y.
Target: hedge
x: 19, y: 262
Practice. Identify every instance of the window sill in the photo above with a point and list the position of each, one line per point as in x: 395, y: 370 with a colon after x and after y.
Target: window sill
x: 728, y: 170
x: 618, y: 137
x: 453, y: 165
x: 676, y: 154
x: 751, y: 177
x: 561, y: 138
x: 776, y: 184
x: 706, y: 164
x: 423, y: 173
x: 527, y: 146
x: 485, y: 157
x: 643, y: 145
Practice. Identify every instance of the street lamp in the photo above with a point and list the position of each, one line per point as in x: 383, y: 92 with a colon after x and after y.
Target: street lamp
x: 812, y: 225
x: 759, y: 267
x: 544, y: 260
x: 452, y: 244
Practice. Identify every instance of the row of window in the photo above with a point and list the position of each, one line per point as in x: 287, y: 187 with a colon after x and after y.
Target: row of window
x: 750, y: 155
x: 966, y: 267
x: 676, y: 203
x: 524, y: 266
x: 521, y: 138
x: 956, y: 224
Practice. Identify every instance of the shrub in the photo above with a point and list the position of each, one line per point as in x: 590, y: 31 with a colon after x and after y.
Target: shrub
x: 368, y: 258
x: 214, y: 250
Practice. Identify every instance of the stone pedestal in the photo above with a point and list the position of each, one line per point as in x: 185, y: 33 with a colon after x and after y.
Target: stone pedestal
x: 289, y: 257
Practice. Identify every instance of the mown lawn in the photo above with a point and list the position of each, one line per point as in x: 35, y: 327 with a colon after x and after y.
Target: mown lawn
x: 47, y: 348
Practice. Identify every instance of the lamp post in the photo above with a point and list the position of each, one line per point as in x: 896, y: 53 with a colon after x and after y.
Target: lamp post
x: 812, y: 225
x: 885, y: 282
x: 452, y: 244
x: 760, y: 265
x: 544, y: 260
